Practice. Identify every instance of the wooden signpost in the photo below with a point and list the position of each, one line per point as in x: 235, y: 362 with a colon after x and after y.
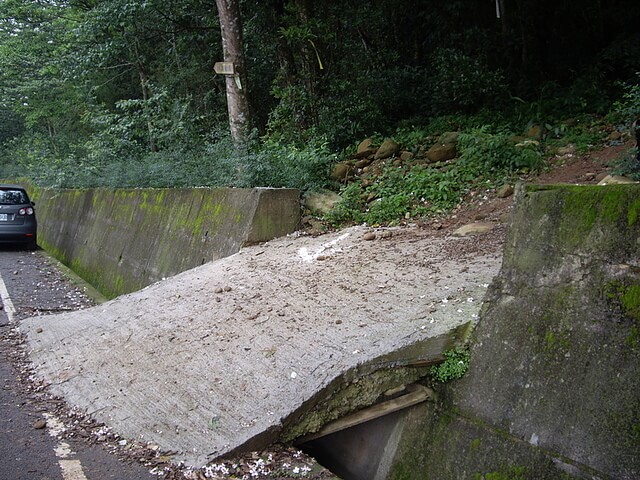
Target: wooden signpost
x: 224, y: 68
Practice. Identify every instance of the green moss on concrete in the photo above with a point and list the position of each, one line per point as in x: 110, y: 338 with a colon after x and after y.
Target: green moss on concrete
x: 121, y: 240
x: 441, y: 443
x: 556, y: 342
x: 630, y: 300
x: 209, y: 216
x: 634, y: 212
x: 626, y: 299
x: 581, y: 208
x: 362, y: 392
x: 507, y: 473
x: 625, y: 424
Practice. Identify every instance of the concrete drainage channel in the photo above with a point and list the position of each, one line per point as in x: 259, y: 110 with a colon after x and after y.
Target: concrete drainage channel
x: 362, y: 446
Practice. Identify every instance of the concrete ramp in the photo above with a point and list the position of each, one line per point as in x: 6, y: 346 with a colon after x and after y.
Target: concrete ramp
x: 269, y: 344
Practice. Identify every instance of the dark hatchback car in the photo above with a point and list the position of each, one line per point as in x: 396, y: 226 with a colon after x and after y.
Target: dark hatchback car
x: 17, y: 217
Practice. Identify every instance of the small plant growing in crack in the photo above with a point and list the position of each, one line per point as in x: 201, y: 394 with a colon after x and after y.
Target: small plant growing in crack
x: 455, y: 365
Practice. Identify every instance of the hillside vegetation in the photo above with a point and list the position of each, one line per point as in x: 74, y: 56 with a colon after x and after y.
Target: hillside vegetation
x: 122, y: 93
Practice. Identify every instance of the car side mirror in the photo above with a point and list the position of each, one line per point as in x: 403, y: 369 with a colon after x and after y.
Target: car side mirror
x: 33, y: 204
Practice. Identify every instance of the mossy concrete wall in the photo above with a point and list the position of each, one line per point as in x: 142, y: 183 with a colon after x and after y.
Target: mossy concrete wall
x: 553, y: 390
x: 122, y: 240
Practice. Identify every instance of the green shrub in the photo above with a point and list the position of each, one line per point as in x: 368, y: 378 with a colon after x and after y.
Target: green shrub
x: 350, y: 208
x: 499, y: 152
x: 629, y: 105
x: 627, y: 165
x: 215, y: 162
x: 460, y: 82
x: 628, y: 108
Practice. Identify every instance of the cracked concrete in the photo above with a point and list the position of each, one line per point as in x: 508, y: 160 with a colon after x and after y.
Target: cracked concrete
x: 221, y: 358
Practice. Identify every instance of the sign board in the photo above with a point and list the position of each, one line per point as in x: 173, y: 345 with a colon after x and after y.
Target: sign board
x: 224, y: 68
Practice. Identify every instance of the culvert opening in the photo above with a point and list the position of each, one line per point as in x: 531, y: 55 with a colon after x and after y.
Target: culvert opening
x: 361, y: 446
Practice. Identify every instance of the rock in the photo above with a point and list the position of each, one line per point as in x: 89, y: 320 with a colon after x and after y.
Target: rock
x: 363, y: 163
x: 569, y: 149
x: 365, y: 145
x: 369, y: 236
x: 441, y: 152
x: 40, y: 424
x: 615, y: 180
x: 449, y: 137
x: 475, y: 228
x: 317, y: 226
x: 535, y: 131
x: 406, y: 156
x: 528, y: 142
x: 505, y: 191
x: 321, y: 201
x: 615, y: 135
x: 388, y: 149
x: 364, y: 154
x: 341, y: 172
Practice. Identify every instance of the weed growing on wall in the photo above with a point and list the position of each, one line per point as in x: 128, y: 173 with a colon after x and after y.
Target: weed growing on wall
x: 455, y: 365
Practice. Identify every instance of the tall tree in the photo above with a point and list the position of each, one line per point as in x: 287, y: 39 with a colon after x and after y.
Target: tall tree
x: 236, y: 84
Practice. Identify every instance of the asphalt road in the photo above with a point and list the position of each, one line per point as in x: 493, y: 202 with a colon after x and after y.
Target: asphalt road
x: 32, y: 447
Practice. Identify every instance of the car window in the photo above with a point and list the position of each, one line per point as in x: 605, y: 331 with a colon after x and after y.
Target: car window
x: 13, y: 197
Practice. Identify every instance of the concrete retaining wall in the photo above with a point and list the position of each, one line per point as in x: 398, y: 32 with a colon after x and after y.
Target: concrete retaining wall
x: 123, y: 240
x: 553, y: 389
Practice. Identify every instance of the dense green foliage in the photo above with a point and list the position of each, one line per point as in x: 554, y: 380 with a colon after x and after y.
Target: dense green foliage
x: 122, y: 92
x: 455, y: 365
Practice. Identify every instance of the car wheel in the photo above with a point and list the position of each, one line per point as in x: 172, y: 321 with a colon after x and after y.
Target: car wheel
x: 33, y: 244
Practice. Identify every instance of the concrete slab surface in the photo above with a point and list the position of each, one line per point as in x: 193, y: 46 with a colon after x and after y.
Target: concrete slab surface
x: 234, y: 354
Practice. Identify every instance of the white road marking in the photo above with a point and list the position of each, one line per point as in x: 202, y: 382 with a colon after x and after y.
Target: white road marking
x: 71, y: 469
x: 6, y: 301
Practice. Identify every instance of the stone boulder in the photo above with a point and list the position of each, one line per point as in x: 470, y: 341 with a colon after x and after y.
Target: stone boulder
x: 505, y: 191
x: 441, y: 152
x: 449, y: 137
x: 475, y: 228
x: 388, y: 149
x: 341, y: 171
x: 320, y: 202
x: 615, y: 180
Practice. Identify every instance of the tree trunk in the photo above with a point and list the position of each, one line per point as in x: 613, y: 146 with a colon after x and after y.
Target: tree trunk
x: 144, y: 86
x: 237, y: 98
